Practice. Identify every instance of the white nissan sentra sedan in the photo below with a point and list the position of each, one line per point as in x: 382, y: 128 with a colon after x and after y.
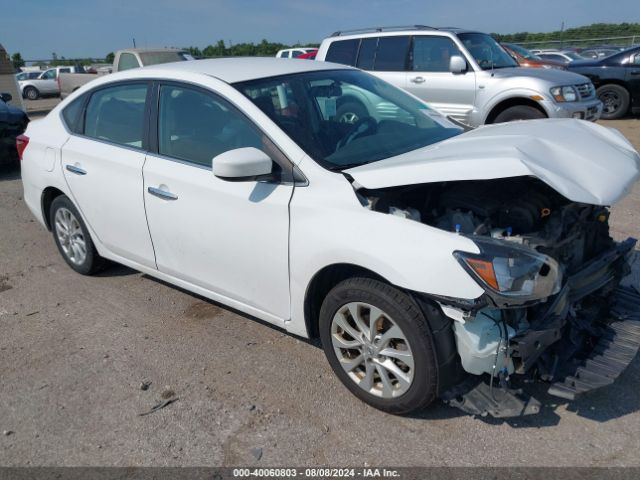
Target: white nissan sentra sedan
x: 431, y: 262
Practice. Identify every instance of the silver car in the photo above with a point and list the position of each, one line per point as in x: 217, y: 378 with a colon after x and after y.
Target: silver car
x: 464, y: 74
x: 45, y: 84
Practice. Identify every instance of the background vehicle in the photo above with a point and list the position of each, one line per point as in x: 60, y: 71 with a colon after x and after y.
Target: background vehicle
x: 463, y: 74
x: 13, y: 122
x: 27, y: 75
x: 45, y: 84
x: 425, y: 258
x: 309, y: 55
x: 564, y: 57
x: 123, y: 60
x: 529, y: 60
x: 617, y: 79
x: 294, y: 52
x: 600, y: 52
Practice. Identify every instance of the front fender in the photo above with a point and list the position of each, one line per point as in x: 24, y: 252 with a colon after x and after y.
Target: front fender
x: 329, y: 226
x: 525, y: 93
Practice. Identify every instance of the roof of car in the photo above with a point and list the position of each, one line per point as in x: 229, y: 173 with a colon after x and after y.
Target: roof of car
x: 150, y: 50
x: 240, y: 69
x: 390, y: 31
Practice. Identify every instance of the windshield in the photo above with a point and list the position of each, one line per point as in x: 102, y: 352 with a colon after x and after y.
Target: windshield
x: 487, y: 52
x: 155, y: 58
x: 346, y: 118
x: 523, y: 52
x: 573, y: 56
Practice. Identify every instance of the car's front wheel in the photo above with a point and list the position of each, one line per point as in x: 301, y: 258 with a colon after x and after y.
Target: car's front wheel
x: 72, y: 237
x: 615, y: 101
x: 379, y: 345
x: 519, y: 112
x: 31, y: 93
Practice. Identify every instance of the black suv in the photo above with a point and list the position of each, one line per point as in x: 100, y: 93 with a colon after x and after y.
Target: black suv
x: 617, y: 80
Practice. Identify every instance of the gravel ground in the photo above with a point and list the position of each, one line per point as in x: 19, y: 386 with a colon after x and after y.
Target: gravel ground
x: 75, y: 350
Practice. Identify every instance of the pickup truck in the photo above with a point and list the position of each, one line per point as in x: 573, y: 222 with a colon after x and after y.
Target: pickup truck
x: 44, y: 84
x: 124, y: 60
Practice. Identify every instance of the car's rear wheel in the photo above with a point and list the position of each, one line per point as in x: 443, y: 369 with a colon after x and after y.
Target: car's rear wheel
x: 379, y: 345
x: 72, y: 237
x: 615, y: 101
x: 519, y: 112
x: 31, y: 93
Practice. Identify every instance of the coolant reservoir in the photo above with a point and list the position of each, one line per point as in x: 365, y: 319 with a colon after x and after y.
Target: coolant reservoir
x: 478, y: 339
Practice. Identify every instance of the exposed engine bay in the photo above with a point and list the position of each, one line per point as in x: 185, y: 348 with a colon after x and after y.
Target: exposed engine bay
x: 553, y: 310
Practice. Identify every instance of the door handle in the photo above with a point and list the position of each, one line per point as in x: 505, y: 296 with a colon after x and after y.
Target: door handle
x: 418, y: 80
x: 164, y: 194
x: 76, y: 170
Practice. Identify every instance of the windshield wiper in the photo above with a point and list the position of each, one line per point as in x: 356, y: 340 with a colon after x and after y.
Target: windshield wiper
x: 339, y: 168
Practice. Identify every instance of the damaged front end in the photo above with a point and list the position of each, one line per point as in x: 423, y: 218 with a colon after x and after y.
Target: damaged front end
x: 554, y: 309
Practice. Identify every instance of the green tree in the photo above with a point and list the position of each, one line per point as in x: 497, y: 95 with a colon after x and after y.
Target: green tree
x: 110, y: 57
x: 17, y: 60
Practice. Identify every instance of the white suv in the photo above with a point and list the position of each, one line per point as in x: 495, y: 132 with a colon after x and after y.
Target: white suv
x: 464, y: 74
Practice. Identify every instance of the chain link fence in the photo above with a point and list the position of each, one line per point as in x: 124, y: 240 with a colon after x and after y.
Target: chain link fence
x: 628, y: 41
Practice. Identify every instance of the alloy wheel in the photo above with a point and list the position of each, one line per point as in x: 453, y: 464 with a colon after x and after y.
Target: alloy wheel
x: 70, y: 236
x: 372, y: 349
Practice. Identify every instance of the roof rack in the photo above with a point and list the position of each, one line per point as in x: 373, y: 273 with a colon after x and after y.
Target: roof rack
x: 382, y: 29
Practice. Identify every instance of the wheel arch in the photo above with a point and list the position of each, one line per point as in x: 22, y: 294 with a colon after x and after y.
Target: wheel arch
x: 48, y: 196
x: 320, y: 285
x: 441, y: 327
x: 513, y: 102
x: 614, y: 81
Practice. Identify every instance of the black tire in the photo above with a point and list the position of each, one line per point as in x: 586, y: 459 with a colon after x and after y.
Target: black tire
x: 93, y: 262
x: 406, y: 315
x: 615, y: 99
x: 519, y: 112
x: 31, y: 93
x: 351, y: 112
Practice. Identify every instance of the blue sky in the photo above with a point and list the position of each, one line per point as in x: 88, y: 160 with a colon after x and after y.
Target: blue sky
x: 79, y: 28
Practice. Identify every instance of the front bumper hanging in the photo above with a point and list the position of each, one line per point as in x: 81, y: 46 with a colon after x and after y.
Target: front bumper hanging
x: 575, y: 351
x: 613, y: 352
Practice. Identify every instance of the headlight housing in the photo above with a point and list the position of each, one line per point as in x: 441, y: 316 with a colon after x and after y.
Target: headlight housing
x: 564, y: 94
x: 511, y: 274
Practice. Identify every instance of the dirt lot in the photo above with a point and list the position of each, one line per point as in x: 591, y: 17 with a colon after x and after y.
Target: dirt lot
x: 74, y: 351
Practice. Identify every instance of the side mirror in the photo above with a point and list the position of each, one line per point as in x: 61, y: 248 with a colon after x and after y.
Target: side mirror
x: 242, y: 164
x: 457, y: 64
x: 6, y: 97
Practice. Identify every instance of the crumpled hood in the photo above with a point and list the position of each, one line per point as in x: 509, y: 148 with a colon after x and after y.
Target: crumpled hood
x: 583, y: 161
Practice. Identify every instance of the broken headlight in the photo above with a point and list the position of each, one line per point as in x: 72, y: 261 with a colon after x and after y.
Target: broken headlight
x: 510, y: 273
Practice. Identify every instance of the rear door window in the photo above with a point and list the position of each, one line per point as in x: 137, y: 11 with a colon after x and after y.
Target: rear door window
x: 116, y: 114
x: 367, y: 54
x: 343, y: 51
x: 72, y: 114
x: 391, y: 54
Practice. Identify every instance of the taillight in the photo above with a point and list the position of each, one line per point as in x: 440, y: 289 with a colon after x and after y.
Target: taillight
x: 21, y: 143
